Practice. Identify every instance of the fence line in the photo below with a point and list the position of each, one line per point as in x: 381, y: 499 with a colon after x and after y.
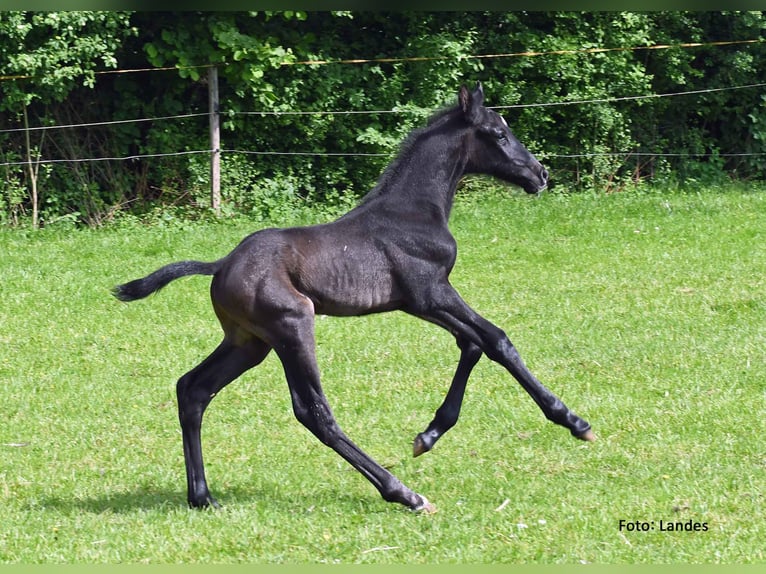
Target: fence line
x: 123, y: 158
x: 521, y: 54
x: 511, y: 106
x: 542, y: 155
x: 104, y: 72
x: 306, y: 153
x: 105, y: 123
x: 393, y: 111
x: 527, y: 54
x: 349, y: 112
x: 629, y: 98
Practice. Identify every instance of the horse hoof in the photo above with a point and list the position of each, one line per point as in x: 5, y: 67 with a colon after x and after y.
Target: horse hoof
x: 588, y: 435
x: 418, y: 447
x: 425, y: 507
x: 207, y: 503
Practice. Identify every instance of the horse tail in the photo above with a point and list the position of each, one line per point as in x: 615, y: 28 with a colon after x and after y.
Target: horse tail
x: 140, y: 288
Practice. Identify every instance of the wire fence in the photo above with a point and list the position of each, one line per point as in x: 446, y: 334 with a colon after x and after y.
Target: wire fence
x: 411, y: 59
x: 403, y: 111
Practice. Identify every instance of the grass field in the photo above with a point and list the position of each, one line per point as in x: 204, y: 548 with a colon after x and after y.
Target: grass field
x: 644, y: 312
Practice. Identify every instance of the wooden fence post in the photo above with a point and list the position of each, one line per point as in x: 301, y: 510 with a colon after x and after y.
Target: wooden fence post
x: 215, y: 141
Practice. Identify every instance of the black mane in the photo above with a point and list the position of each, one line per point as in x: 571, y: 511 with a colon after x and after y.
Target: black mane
x: 435, y: 121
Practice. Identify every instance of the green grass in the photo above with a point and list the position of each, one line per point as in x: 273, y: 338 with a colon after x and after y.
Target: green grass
x: 644, y: 312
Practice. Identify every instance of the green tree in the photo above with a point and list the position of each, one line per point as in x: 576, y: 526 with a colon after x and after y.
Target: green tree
x: 593, y: 63
x: 717, y: 123
x: 46, y: 56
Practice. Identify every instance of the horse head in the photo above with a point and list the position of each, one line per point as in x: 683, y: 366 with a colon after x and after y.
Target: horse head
x: 493, y: 148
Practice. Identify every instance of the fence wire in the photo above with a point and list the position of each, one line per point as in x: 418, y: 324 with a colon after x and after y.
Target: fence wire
x: 401, y: 111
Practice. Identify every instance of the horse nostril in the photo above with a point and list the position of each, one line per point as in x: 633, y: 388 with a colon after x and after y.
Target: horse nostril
x: 544, y: 174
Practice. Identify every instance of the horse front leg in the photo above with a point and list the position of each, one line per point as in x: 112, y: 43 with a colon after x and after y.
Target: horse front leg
x: 448, y: 309
x: 447, y: 414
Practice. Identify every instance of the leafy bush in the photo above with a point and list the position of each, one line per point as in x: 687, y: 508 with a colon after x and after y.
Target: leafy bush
x: 599, y: 137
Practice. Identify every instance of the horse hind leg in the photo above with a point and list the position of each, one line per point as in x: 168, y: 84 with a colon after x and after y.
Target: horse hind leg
x: 194, y: 391
x: 295, y: 347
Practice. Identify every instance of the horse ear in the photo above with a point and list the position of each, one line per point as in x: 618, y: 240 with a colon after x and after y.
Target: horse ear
x: 478, y: 94
x: 464, y: 99
x: 471, y: 102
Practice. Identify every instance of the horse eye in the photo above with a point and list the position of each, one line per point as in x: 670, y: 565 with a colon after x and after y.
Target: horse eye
x: 496, y: 134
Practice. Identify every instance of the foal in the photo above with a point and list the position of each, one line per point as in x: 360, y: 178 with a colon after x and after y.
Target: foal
x: 393, y: 251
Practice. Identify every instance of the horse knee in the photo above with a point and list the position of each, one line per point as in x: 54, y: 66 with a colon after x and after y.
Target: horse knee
x: 499, y: 347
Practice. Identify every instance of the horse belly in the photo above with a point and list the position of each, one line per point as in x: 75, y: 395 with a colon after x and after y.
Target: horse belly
x: 349, y: 287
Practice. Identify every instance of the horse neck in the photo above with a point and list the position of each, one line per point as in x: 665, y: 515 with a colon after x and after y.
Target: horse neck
x: 424, y: 177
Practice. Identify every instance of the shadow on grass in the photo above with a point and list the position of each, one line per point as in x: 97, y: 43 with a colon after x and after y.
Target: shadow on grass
x: 171, y: 500
x: 119, y: 502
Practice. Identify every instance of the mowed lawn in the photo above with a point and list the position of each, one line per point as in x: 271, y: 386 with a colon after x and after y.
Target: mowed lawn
x: 645, y: 312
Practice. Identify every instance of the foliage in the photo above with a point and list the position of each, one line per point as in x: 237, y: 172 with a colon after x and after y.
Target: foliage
x: 413, y: 63
x: 53, y: 52
x: 48, y: 57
